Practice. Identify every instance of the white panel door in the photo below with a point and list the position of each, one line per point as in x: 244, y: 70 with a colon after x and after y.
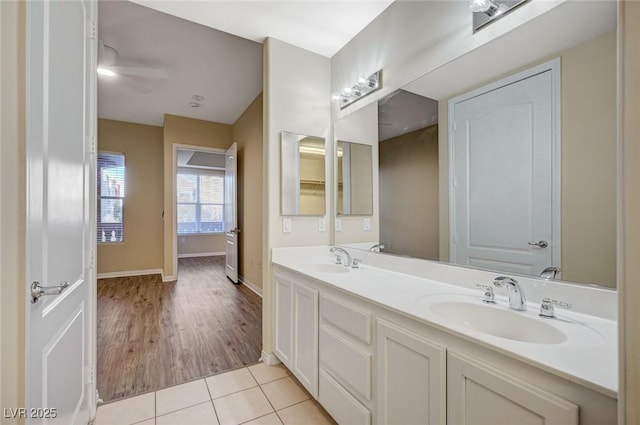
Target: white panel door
x: 60, y: 209
x: 230, y: 212
x: 505, y: 176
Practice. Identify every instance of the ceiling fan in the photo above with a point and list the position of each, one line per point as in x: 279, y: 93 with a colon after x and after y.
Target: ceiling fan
x: 107, y: 58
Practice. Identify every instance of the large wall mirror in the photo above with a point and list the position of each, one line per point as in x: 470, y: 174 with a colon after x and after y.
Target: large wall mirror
x: 302, y: 166
x: 445, y: 182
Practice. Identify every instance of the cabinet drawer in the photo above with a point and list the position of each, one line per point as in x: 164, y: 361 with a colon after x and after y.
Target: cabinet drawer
x: 346, y: 362
x: 347, y: 318
x: 341, y: 405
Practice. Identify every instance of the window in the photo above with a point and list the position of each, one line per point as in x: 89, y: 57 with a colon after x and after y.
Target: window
x: 111, y: 190
x: 200, y: 197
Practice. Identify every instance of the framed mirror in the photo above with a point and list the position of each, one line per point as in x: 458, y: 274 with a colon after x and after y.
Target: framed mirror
x: 302, y: 169
x: 354, y: 189
x: 416, y: 164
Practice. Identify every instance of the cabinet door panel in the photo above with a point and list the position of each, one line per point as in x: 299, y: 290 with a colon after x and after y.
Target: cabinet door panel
x: 479, y: 394
x: 305, y: 364
x: 284, y: 320
x: 411, y: 384
x: 341, y: 405
x: 347, y: 318
x: 343, y: 359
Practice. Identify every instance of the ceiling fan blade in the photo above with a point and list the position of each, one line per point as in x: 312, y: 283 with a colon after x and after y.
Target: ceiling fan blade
x: 136, y: 84
x: 139, y: 71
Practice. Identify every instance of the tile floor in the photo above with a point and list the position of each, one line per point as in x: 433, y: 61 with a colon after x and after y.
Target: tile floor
x: 254, y: 395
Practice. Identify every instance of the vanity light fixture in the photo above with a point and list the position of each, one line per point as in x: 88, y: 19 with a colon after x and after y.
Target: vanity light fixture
x: 487, y: 11
x: 489, y: 7
x: 364, y: 87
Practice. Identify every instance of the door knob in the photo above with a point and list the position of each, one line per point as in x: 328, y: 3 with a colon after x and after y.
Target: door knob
x: 541, y: 244
x: 38, y: 290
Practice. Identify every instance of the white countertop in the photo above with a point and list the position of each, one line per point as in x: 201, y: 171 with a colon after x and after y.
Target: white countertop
x: 588, y: 357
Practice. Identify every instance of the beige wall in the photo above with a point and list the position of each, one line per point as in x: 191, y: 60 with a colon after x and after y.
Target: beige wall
x: 201, y: 244
x: 409, y: 217
x: 296, y: 99
x: 588, y: 162
x: 12, y: 205
x: 247, y: 133
x: 143, y: 149
x: 629, y: 226
x: 183, y: 131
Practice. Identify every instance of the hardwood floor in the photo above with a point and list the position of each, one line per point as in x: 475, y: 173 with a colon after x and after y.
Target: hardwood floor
x: 153, y: 334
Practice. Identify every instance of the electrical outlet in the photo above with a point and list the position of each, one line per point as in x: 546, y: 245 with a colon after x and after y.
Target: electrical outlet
x: 367, y: 224
x: 322, y: 225
x: 286, y: 225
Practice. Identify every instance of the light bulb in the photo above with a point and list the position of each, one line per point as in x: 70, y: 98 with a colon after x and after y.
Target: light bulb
x: 106, y: 72
x: 480, y: 5
x: 336, y: 97
x: 347, y: 91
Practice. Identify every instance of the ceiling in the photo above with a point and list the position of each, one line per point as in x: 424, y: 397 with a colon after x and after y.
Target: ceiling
x: 320, y: 26
x: 224, y: 69
x: 214, y: 52
x: 402, y: 112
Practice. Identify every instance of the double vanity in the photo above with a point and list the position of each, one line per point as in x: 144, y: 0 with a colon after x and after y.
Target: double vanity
x: 392, y: 340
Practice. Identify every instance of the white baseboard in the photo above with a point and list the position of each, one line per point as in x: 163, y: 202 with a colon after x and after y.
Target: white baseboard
x: 127, y: 273
x: 202, y: 254
x: 252, y: 286
x: 169, y: 278
x: 269, y: 359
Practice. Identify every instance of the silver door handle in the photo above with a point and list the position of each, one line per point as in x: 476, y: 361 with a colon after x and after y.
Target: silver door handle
x: 38, y: 290
x: 541, y: 244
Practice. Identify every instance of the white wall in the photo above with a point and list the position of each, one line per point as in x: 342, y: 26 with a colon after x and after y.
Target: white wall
x: 360, y: 127
x: 296, y: 99
x: 13, y: 206
x: 412, y: 38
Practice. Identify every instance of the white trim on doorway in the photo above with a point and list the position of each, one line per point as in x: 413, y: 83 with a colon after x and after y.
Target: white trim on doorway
x: 174, y: 197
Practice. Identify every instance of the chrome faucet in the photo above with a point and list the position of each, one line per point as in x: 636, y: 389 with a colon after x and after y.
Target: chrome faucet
x: 339, y: 252
x: 377, y: 248
x: 550, y: 273
x: 517, y: 300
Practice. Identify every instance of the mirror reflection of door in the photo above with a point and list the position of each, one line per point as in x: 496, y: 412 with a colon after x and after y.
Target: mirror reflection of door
x: 505, y: 174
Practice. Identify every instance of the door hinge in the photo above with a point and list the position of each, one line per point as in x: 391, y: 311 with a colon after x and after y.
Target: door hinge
x: 92, y: 259
x: 93, y: 30
x: 92, y: 144
x: 455, y: 125
x: 88, y: 372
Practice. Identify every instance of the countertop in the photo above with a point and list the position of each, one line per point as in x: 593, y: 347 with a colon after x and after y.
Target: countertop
x: 589, y: 357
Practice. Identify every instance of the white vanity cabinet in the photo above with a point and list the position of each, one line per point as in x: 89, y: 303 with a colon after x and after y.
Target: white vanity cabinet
x: 367, y: 363
x: 481, y: 394
x: 410, y: 377
x: 346, y: 357
x: 296, y: 321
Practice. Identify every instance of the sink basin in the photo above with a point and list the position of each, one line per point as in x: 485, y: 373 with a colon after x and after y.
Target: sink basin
x: 329, y: 268
x: 498, y: 322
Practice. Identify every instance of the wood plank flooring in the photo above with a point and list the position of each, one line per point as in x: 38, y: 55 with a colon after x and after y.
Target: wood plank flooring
x: 153, y: 334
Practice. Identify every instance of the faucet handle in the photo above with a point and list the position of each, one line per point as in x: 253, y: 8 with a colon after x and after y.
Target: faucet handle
x: 356, y: 263
x: 338, y: 258
x: 547, y: 307
x: 489, y: 295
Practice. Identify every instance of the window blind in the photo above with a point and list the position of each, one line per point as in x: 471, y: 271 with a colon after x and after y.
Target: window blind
x: 200, y: 196
x: 111, y: 195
